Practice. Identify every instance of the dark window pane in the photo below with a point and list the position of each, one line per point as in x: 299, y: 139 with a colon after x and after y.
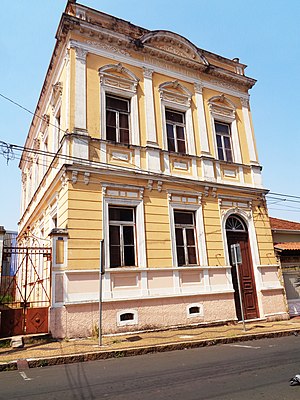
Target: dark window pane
x: 124, y: 121
x: 220, y: 154
x: 194, y: 310
x: 190, y: 237
x: 124, y: 136
x: 170, y: 131
x: 129, y: 257
x: 115, y: 257
x: 120, y: 214
x: 128, y: 235
x: 179, y: 236
x: 127, y: 317
x: 182, y: 217
x: 111, y: 133
x: 114, y: 235
x: 222, y: 128
x: 192, y: 255
x: 180, y: 132
x: 171, y: 144
x: 174, y: 116
x: 227, y: 142
x: 110, y: 118
x: 180, y: 256
x: 117, y: 104
x: 181, y: 146
x: 219, y: 141
x: 228, y: 155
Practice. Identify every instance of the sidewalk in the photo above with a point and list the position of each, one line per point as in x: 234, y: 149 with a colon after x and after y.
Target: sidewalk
x: 38, y: 353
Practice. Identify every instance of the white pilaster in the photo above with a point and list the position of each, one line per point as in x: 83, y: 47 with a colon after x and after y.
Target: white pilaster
x: 248, y: 130
x: 201, y: 119
x: 80, y: 88
x: 149, y: 108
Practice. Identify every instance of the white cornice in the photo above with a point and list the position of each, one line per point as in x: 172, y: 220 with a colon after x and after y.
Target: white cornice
x: 222, y: 87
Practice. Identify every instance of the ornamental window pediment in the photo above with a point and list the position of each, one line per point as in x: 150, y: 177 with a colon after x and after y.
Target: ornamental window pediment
x: 222, y: 108
x: 118, y: 77
x: 175, y: 94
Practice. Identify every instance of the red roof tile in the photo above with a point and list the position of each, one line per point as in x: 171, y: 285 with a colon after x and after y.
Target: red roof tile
x: 287, y: 246
x: 283, y: 224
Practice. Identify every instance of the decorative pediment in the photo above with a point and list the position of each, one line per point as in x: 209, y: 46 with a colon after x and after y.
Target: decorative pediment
x: 175, y: 92
x: 174, y: 44
x: 222, y: 107
x: 118, y: 77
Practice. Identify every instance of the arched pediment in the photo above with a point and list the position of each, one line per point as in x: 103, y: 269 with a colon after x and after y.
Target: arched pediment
x: 222, y: 107
x: 118, y: 77
x: 173, y: 43
x: 222, y: 100
x: 175, y: 92
x: 118, y: 69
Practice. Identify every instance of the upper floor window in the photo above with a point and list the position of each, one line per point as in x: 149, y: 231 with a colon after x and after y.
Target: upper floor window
x: 223, y: 138
x: 121, y: 236
x: 119, y: 105
x: 185, y: 233
x: 117, y: 119
x: 175, y: 124
x: 224, y: 126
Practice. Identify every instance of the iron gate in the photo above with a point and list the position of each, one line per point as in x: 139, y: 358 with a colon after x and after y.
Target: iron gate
x: 25, y: 290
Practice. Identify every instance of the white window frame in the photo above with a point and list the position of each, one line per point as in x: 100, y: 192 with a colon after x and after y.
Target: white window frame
x: 199, y: 225
x: 121, y: 225
x: 133, y: 321
x: 125, y: 87
x: 225, y: 113
x: 222, y: 140
x: 185, y: 245
x: 176, y: 97
x: 175, y: 125
x: 118, y: 117
x: 140, y: 244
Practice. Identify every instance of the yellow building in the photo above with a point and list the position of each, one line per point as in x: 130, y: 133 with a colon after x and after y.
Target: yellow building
x: 146, y: 141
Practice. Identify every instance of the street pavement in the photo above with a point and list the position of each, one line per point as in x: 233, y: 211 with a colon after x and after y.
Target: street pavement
x: 249, y: 370
x: 36, y: 352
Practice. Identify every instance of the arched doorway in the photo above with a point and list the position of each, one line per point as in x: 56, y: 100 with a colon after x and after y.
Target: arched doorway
x: 237, y: 233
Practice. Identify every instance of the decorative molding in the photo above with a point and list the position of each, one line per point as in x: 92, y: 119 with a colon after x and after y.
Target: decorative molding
x: 86, y: 178
x: 245, y: 102
x: 109, y: 78
x: 108, y: 47
x: 159, y: 186
x: 198, y: 87
x: 80, y: 54
x: 74, y: 176
x: 148, y: 72
x: 176, y: 93
x: 150, y: 185
x: 206, y: 191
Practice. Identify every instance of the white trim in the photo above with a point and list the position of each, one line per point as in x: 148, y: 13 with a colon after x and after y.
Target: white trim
x: 80, y: 87
x: 140, y: 226
x: 159, y: 69
x: 193, y: 315
x: 204, y: 145
x: 134, y: 321
x: 149, y: 108
x: 201, y: 243
x: 125, y: 87
x: 248, y: 130
x: 248, y: 220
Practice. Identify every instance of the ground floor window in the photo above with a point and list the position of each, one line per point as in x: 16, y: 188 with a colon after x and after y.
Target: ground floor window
x: 185, y: 234
x: 122, y: 252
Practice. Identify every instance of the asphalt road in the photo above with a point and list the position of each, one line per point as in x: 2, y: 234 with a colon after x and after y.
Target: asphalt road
x: 247, y: 370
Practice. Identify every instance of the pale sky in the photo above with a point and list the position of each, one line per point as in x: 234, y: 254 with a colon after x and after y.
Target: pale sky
x: 264, y: 34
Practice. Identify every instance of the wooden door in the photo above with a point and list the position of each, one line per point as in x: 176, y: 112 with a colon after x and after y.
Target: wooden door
x: 246, y: 275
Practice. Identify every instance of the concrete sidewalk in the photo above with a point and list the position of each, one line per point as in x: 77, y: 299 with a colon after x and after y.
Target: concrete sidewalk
x: 37, y: 353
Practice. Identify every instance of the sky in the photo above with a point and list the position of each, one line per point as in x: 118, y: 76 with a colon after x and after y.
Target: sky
x: 263, y: 34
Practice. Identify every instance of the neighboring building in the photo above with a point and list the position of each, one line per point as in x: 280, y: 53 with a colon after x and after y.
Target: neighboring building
x: 286, y: 238
x: 146, y: 141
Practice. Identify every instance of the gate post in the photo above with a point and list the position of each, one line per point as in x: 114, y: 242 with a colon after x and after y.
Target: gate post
x: 2, y: 233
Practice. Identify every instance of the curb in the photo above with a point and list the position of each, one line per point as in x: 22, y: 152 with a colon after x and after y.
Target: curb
x: 136, y: 351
